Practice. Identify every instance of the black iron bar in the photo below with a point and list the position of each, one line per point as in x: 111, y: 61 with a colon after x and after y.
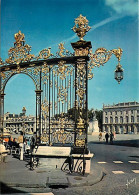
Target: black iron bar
x: 52, y: 92
x: 49, y: 103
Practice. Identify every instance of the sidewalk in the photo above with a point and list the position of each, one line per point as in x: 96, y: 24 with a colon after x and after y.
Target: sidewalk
x: 15, y: 175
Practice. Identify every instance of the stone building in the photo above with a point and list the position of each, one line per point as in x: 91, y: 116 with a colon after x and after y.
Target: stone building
x: 121, y: 117
x: 14, y: 123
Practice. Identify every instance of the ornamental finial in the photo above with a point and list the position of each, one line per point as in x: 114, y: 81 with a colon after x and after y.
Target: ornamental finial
x: 81, y: 26
x: 19, y: 39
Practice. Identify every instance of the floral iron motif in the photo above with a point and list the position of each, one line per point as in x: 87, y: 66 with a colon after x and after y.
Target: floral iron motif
x: 20, y: 52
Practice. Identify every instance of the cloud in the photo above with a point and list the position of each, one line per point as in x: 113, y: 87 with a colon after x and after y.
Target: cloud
x: 126, y: 7
x: 106, y: 21
x: 100, y: 24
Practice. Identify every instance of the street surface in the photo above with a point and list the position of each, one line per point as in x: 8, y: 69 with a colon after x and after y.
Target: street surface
x: 120, y: 165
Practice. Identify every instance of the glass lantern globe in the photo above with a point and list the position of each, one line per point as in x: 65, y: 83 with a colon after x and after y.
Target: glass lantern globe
x: 119, y: 73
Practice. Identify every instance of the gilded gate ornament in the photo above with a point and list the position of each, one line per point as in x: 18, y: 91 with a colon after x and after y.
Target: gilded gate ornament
x: 81, y: 26
x: 45, y: 54
x: 20, y: 52
x: 100, y: 57
x: 19, y: 37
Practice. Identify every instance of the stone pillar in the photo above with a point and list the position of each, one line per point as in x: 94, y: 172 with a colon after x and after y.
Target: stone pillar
x: 129, y: 129
x: 135, y: 129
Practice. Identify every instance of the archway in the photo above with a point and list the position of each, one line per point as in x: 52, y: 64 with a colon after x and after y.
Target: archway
x: 19, y: 93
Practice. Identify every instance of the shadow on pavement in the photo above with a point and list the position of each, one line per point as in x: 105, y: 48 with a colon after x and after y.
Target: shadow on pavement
x: 130, y: 143
x: 4, y: 189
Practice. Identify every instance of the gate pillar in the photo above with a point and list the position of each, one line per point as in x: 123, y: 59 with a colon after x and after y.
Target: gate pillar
x: 81, y: 49
x: 38, y: 116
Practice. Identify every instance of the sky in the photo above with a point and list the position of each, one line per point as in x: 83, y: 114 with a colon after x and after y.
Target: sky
x: 46, y: 23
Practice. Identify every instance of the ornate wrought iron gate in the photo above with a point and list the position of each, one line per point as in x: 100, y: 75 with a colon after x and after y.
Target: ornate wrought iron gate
x: 61, y: 85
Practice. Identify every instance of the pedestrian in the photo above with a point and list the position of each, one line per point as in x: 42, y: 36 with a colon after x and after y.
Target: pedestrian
x: 106, y: 137
x: 21, y: 145
x: 32, y: 144
x: 111, y: 138
x: 100, y: 136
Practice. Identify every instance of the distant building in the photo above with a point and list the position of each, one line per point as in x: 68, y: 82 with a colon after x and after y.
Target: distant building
x: 14, y: 123
x: 121, y: 117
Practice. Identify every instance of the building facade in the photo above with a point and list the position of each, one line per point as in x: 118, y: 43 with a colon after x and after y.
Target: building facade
x: 14, y: 123
x: 121, y: 117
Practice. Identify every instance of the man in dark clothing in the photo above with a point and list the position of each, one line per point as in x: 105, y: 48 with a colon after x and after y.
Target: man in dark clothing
x: 111, y: 138
x: 106, y: 137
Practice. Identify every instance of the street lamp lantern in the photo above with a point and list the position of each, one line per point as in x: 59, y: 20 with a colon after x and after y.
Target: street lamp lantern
x: 119, y: 73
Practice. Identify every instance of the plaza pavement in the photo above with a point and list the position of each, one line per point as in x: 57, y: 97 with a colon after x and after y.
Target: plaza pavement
x: 16, y: 177
x: 131, y: 140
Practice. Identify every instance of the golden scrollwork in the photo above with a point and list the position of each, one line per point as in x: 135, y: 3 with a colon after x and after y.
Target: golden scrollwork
x: 82, y: 51
x: 61, y: 48
x: 80, y: 123
x: 62, y: 51
x: 81, y: 92
x: 80, y: 142
x: 45, y: 106
x: 62, y: 69
x: 81, y: 26
x: 45, y: 54
x: 100, y: 57
x: 3, y: 75
x: 118, y: 53
x: 45, y: 137
x: 62, y: 94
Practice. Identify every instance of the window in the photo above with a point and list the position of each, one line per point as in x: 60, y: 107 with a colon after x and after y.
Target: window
x: 116, y: 119
x: 127, y: 119
x: 131, y: 111
x: 121, y: 119
x: 132, y: 119
x: 106, y: 120
x: 106, y: 113
x: 138, y: 119
x: 116, y: 112
x: 111, y: 120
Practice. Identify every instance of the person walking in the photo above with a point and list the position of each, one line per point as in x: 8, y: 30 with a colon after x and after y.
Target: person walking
x: 111, y: 138
x: 21, y: 145
x: 106, y: 137
x: 100, y: 136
